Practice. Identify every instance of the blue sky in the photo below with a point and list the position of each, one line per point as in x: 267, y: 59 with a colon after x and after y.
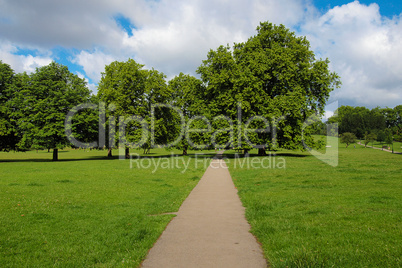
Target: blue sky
x: 362, y: 39
x: 387, y: 8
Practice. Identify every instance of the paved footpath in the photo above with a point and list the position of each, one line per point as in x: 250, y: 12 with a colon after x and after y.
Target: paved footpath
x: 210, y: 229
x: 395, y: 152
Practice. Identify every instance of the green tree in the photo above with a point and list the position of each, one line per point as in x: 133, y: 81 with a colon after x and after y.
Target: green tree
x: 319, y: 128
x: 44, y: 103
x: 381, y: 136
x: 389, y: 137
x: 21, y: 88
x: 8, y: 129
x: 369, y: 137
x: 85, y: 125
x: 273, y: 75
x: 132, y: 91
x: 397, y: 129
x: 360, y: 120
x: 353, y: 119
x: 186, y: 97
x: 390, y: 116
x: 398, y: 112
x: 377, y: 120
x: 348, y: 138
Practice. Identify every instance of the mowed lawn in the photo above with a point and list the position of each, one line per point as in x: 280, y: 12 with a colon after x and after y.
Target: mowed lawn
x: 311, y: 214
x: 86, y: 210
x: 89, y: 211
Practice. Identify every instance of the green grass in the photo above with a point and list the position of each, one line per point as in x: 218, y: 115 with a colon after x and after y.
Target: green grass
x: 86, y: 210
x: 311, y: 214
x: 90, y: 211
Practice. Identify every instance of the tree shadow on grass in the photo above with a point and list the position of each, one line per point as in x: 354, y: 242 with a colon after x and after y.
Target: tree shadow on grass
x: 293, y: 155
x: 239, y: 155
x: 207, y: 155
x: 90, y: 158
x: 40, y: 160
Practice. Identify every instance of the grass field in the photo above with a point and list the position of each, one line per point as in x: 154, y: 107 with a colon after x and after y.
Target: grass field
x: 85, y: 210
x: 90, y: 211
x: 310, y: 214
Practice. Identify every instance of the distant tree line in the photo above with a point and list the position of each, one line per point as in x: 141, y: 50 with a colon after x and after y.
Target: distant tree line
x: 259, y: 92
x: 381, y: 124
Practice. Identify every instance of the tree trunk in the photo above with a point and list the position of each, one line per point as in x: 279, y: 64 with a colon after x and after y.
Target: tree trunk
x: 261, y: 151
x: 55, y: 154
x: 127, y: 153
x: 246, y: 152
x: 109, y: 153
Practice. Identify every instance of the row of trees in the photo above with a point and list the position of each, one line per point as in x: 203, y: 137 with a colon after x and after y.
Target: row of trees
x: 33, y: 107
x: 350, y: 138
x: 271, y: 83
x: 375, y: 124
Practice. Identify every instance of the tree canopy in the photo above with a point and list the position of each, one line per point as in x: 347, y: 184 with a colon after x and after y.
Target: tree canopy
x: 259, y: 93
x: 8, y: 131
x: 43, y: 100
x: 361, y: 120
x: 348, y: 138
x: 274, y: 75
x: 132, y: 91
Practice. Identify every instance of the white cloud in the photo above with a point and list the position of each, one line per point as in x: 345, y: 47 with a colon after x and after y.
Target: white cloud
x: 174, y: 36
x: 328, y: 114
x: 178, y: 35
x: 92, y: 87
x: 21, y: 63
x: 93, y: 63
x: 47, y: 23
x: 365, y: 49
x: 171, y: 36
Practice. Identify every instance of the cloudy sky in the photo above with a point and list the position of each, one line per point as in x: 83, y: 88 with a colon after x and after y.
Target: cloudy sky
x: 363, y: 40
